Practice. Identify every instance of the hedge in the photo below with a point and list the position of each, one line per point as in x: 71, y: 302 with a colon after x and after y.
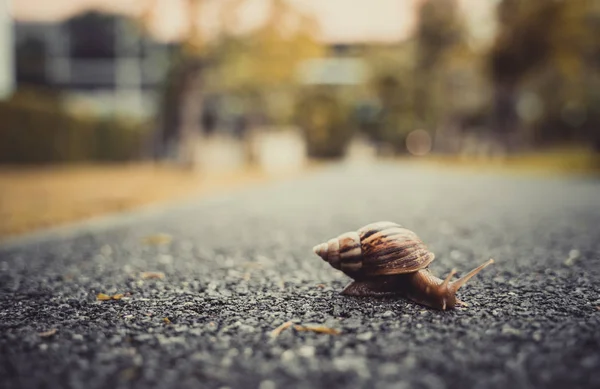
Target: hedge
x: 35, y: 129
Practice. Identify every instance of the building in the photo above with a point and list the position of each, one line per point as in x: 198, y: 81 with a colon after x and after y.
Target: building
x: 100, y: 61
x: 7, y: 78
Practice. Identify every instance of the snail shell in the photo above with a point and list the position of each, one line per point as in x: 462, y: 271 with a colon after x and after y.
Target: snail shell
x: 385, y: 259
x: 382, y: 248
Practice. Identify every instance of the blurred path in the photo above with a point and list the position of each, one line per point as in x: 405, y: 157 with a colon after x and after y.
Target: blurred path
x: 236, y: 267
x: 38, y: 198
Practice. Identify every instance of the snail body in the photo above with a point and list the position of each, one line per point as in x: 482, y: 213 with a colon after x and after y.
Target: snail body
x: 386, y: 259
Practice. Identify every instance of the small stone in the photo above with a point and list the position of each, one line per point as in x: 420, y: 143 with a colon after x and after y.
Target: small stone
x: 364, y: 336
x: 573, y: 255
x: 508, y: 330
x: 267, y: 384
x: 590, y: 362
x: 106, y: 250
x: 287, y: 355
x: 388, y: 314
x: 165, y: 259
x: 388, y: 369
x: 357, y: 365
x: 306, y: 351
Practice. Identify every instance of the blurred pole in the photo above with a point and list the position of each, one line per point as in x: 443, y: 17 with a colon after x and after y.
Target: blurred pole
x: 155, y: 147
x: 7, y: 68
x: 191, y: 107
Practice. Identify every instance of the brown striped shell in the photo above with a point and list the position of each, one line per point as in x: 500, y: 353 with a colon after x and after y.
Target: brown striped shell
x: 382, y: 248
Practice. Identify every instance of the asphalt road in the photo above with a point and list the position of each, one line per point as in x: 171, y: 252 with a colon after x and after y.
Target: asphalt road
x: 240, y: 265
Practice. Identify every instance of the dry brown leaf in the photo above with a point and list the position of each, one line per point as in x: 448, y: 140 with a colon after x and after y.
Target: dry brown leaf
x: 275, y: 333
x: 102, y: 297
x: 157, y: 239
x: 129, y: 373
x: 320, y: 286
x: 166, y: 320
x: 317, y: 329
x: 48, y: 333
x: 105, y: 297
x: 152, y: 275
x: 254, y: 265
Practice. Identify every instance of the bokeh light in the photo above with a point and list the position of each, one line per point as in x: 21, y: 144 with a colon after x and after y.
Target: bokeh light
x: 418, y: 142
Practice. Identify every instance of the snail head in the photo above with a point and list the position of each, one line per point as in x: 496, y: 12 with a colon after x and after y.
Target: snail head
x: 445, y: 292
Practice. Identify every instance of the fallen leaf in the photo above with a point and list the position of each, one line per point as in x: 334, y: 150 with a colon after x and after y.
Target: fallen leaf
x: 129, y: 373
x: 157, y: 239
x: 275, y: 333
x: 255, y: 265
x: 317, y: 329
x: 102, y: 297
x: 48, y: 333
x: 105, y: 297
x: 320, y: 286
x: 152, y: 275
x: 166, y: 320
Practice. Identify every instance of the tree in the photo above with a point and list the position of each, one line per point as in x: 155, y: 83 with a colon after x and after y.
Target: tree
x: 260, y: 65
x: 31, y: 62
x: 549, y: 47
x: 440, y: 30
x: 183, y: 95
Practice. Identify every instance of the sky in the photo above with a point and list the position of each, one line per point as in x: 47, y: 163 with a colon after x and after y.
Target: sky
x: 340, y: 20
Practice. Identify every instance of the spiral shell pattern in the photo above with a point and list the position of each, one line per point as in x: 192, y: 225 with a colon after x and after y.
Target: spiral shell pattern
x: 381, y: 248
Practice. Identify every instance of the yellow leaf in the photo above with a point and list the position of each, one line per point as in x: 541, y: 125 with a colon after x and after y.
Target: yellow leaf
x: 102, y: 297
x: 48, y: 333
x: 157, y: 239
x: 275, y: 333
x: 317, y: 329
x: 152, y: 275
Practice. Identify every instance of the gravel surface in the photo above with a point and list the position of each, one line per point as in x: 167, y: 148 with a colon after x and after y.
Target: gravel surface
x: 237, y: 267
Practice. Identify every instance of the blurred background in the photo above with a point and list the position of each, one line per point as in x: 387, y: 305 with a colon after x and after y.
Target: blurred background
x: 109, y: 104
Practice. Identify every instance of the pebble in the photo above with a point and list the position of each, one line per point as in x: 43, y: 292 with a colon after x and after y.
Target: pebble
x: 364, y: 336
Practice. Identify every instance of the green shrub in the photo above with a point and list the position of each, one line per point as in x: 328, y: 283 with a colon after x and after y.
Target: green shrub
x: 36, y: 129
x: 325, y: 123
x: 118, y: 139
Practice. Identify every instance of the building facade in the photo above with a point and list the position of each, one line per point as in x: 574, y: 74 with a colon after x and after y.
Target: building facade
x: 7, y: 71
x: 101, y: 62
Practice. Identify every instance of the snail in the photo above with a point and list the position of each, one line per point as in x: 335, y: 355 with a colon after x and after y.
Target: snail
x: 386, y: 259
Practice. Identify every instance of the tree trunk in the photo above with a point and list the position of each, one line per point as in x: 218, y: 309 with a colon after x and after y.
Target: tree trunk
x: 190, y: 128
x: 505, y: 120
